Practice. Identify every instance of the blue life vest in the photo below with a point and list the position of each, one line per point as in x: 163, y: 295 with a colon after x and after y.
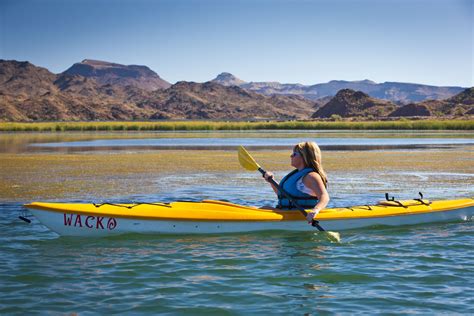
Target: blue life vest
x: 288, y: 184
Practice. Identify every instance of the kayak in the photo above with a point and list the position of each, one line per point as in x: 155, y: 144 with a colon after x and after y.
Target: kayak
x: 216, y: 217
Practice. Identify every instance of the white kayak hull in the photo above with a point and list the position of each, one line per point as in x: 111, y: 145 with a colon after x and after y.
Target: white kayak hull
x: 73, y: 224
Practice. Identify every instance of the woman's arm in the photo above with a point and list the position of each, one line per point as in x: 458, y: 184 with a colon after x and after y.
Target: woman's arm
x: 268, y: 176
x: 315, y: 183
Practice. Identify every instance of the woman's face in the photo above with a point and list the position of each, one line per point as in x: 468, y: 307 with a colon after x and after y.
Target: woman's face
x: 297, y: 160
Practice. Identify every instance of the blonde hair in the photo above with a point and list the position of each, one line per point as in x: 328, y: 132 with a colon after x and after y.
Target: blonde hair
x: 312, y: 158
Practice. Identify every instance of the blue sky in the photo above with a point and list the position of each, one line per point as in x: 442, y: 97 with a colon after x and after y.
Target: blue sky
x: 289, y: 41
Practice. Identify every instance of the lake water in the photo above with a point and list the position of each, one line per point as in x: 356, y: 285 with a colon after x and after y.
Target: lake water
x: 425, y: 269
x: 256, y: 142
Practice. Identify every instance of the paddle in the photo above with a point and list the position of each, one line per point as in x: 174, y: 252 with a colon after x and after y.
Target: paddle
x: 250, y: 164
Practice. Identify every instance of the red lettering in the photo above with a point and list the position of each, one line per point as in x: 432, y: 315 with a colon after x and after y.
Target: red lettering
x: 78, y: 220
x: 87, y: 221
x: 67, y: 219
x: 111, y: 223
x: 99, y: 223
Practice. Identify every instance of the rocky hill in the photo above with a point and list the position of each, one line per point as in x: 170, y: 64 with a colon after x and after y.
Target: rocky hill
x: 411, y: 109
x: 30, y: 93
x: 350, y: 103
x: 396, y: 92
x: 115, y: 74
x: 466, y: 97
x: 460, y: 104
x: 94, y: 90
x: 190, y: 100
x: 23, y: 79
x: 227, y: 79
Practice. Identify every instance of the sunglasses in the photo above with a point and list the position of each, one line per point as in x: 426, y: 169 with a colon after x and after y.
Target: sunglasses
x: 295, y: 153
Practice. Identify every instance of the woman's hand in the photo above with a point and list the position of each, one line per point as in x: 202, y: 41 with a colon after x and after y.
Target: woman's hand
x: 268, y: 176
x: 311, y: 215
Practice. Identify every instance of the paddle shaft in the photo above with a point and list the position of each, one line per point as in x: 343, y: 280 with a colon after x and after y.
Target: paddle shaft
x: 314, y: 222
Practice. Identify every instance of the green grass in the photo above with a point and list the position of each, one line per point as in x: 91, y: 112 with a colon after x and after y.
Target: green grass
x: 221, y: 125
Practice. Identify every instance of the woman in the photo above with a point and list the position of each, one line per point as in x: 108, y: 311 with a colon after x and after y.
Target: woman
x: 307, y: 184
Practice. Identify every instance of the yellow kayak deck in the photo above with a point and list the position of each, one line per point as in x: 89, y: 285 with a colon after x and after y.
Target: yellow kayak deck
x: 210, y: 210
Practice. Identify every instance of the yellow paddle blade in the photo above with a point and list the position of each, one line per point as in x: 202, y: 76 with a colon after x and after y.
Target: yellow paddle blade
x: 246, y: 160
x: 334, y: 236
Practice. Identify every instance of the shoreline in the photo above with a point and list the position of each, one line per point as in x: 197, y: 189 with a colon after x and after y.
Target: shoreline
x: 466, y: 124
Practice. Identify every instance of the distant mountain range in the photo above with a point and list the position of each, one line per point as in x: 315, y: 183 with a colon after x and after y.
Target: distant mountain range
x: 94, y: 90
x: 98, y: 90
x: 397, y: 92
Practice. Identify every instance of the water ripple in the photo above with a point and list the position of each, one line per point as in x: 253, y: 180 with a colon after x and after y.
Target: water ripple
x: 419, y: 269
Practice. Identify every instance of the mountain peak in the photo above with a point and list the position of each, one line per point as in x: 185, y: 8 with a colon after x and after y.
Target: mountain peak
x: 350, y: 103
x: 228, y: 79
x: 465, y: 97
x: 366, y: 81
x: 24, y: 78
x: 123, y: 75
x: 99, y: 63
x: 346, y: 94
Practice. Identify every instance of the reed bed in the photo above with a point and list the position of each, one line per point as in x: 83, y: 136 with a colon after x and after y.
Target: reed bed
x: 240, y: 125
